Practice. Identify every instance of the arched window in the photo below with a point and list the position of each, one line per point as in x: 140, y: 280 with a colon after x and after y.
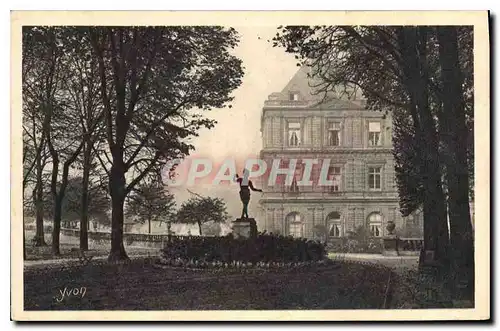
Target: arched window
x: 294, y: 224
x: 334, y: 225
x: 375, y: 224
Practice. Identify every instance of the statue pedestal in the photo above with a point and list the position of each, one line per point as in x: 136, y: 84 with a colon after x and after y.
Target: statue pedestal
x: 244, y: 227
x: 390, y: 247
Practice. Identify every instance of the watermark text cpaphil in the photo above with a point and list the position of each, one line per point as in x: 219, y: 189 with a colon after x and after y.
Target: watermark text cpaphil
x: 305, y: 172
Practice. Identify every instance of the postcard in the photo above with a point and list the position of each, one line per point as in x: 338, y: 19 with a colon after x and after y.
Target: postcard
x: 250, y: 166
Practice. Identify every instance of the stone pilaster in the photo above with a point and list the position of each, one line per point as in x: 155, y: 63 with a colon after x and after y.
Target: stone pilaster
x: 309, y: 224
x: 270, y: 219
x: 317, y: 217
x: 316, y: 131
x: 360, y: 217
x: 277, y: 131
x: 349, y: 176
x: 281, y: 220
x: 350, y: 219
x: 357, y: 132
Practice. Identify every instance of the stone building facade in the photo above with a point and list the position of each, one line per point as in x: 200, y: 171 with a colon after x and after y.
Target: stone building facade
x: 362, y: 193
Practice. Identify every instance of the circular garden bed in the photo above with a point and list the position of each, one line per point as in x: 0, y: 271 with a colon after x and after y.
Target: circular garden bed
x: 263, y: 252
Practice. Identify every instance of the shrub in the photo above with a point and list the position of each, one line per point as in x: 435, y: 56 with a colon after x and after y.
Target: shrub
x: 320, y: 232
x: 264, y: 248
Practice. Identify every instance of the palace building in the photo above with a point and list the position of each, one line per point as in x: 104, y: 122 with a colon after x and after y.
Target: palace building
x: 298, y: 124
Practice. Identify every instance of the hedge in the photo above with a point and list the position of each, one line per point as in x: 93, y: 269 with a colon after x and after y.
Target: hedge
x: 263, y: 248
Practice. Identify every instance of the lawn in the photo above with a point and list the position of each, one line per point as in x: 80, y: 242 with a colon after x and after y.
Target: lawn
x: 69, y: 248
x: 72, y: 251
x: 142, y: 286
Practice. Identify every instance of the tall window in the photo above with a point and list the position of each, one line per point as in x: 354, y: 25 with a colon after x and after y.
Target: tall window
x: 334, y: 225
x: 334, y: 175
x: 295, y: 230
x: 294, y: 187
x: 334, y: 134
x: 297, y: 176
x: 374, y: 134
x: 295, y: 225
x: 374, y: 178
x: 375, y: 224
x: 294, y: 134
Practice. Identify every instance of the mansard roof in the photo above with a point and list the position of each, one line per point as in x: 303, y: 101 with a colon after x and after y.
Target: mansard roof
x: 340, y: 104
x: 302, y: 84
x: 309, y: 96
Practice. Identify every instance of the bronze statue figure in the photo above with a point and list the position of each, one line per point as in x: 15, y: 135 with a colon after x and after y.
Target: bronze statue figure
x: 245, y: 186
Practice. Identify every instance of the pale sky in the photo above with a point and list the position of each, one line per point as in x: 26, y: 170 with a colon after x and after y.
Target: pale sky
x: 266, y: 70
x: 237, y: 134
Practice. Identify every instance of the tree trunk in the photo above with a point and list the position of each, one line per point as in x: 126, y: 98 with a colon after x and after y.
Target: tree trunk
x: 149, y: 225
x: 58, y: 200
x: 117, y: 189
x: 56, y: 230
x: 38, y: 200
x: 84, y: 219
x: 434, y: 211
x: 436, y: 204
x: 24, y: 239
x: 199, y: 227
x: 455, y: 139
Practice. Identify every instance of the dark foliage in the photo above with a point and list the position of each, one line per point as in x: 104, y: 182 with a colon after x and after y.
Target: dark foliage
x: 407, y: 164
x: 151, y: 203
x: 264, y: 248
x: 202, y: 210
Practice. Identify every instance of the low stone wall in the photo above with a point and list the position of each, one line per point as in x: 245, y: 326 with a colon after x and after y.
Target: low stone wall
x: 130, y: 239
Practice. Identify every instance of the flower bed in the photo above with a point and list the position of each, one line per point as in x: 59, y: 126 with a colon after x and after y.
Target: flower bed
x: 242, y: 267
x: 264, y: 251
x: 353, y: 245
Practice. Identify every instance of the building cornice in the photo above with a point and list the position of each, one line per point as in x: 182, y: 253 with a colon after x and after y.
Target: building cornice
x: 327, y: 200
x: 326, y: 150
x: 266, y: 111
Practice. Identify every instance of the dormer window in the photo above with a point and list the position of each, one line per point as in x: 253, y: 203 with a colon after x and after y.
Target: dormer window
x: 294, y: 96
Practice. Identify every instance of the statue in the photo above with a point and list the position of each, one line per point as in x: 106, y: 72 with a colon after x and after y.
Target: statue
x: 245, y: 186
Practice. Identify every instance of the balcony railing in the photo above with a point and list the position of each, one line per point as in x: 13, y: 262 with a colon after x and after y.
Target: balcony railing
x: 287, y: 103
x: 326, y: 192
